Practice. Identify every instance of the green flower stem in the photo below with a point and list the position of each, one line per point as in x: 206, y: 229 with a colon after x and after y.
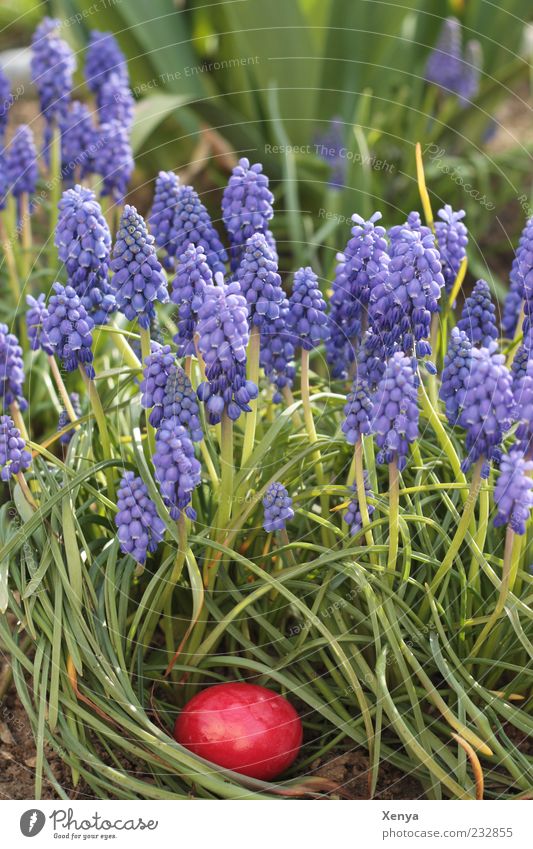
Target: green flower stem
x: 462, y: 528
x: 289, y: 400
x: 511, y: 560
x: 394, y: 518
x: 480, y: 537
x: 254, y: 347
x: 55, y: 192
x: 98, y: 411
x: 311, y: 433
x: 130, y: 357
x: 206, y: 456
x: 11, y: 263
x: 361, y: 494
x: 168, y: 625
x: 56, y: 374
x: 146, y: 348
x: 444, y: 440
x: 225, y: 495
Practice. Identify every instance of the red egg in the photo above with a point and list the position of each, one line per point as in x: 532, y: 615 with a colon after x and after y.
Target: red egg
x: 242, y: 727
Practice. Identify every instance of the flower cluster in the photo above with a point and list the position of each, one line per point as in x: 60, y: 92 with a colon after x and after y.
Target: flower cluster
x: 260, y: 282
x: 395, y: 410
x: 69, y: 329
x: 139, y: 527
x: 276, y: 356
x: 513, y: 492
x: 104, y: 58
x: 167, y: 391
x: 246, y: 205
x: 78, y: 142
x: 329, y: 146
x: 162, y: 215
x: 522, y: 270
x: 115, y: 101
x: 176, y: 468
x: 456, y: 372
x: 191, y: 224
x: 11, y: 370
x: 14, y: 457
x: 513, y: 302
x: 138, y: 278
x: 277, y: 504
x: 188, y: 288
x: 523, y: 396
x: 223, y: 336
x: 84, y: 243
x: 113, y: 159
x: 21, y: 163
x: 452, y: 240
x: 352, y: 516
x: 6, y: 100
x: 36, y: 315
x: 449, y: 68
x: 52, y: 69
x: 307, y: 321
x: 478, y: 319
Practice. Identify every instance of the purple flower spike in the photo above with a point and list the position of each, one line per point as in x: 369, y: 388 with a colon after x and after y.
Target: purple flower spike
x: 522, y: 270
x: 52, y: 69
x: 523, y: 396
x: 36, y: 315
x: 278, y: 508
x: 140, y: 529
x: 223, y: 336
x: 467, y: 85
x: 246, y: 205
x: 176, y: 468
x: 329, y: 146
x: 115, y: 101
x: 14, y: 457
x: 192, y: 224
x: 69, y: 329
x: 84, y: 244
x: 260, y: 282
x: 138, y: 278
x: 167, y: 391
x: 64, y: 419
x: 358, y: 411
x: 113, y: 159
x: 444, y: 66
x: 452, y: 239
x: 6, y: 100
x: 78, y: 142
x: 188, y: 288
x: 307, y: 320
x: 478, y: 319
x: 21, y: 162
x: 395, y: 412
x: 457, y: 365
x: 161, y: 218
x: 276, y: 355
x: 512, y: 494
x: 353, y: 517
x: 512, y: 304
x: 104, y: 58
x: 11, y: 370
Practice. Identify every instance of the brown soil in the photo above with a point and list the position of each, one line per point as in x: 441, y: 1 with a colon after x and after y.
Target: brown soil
x: 349, y: 770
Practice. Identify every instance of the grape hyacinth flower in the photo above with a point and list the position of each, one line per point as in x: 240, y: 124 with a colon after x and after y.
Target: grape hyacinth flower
x: 413, y: 222
x: 260, y: 282
x: 246, y: 205
x: 84, y: 243
x: 452, y: 240
x: 395, y: 411
x: 11, y: 370
x: 36, y: 315
x: 329, y: 146
x: 523, y: 396
x: 167, y: 391
x: 223, y: 336
x: 513, y: 492
x: 140, y: 529
x: 352, y: 516
x: 69, y: 329
x: 14, y: 458
x: 307, y: 322
x: 104, y: 58
x: 113, y: 159
x: 52, y: 69
x: 78, y: 142
x: 64, y: 419
x: 276, y: 356
x: 277, y: 505
x: 457, y: 364
x: 512, y: 304
x: 467, y: 85
x: 138, y: 278
x: 444, y: 65
x: 358, y: 412
x: 167, y: 186
x: 115, y: 101
x: 192, y: 224
x: 522, y: 270
x: 21, y: 163
x: 6, y: 100
x: 188, y: 288
x: 478, y: 319
x: 4, y: 181
x: 176, y: 468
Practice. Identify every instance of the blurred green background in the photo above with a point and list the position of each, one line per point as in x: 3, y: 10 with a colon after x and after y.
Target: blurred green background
x: 268, y: 75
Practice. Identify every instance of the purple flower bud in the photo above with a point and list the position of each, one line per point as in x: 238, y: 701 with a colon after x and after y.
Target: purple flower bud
x: 278, y: 508
x: 36, y: 315
x: 52, y: 69
x: 84, y: 243
x: 395, y: 411
x: 192, y: 224
x: 140, y: 529
x: 452, y: 239
x: 353, y: 517
x: 69, y: 329
x: 260, y: 282
x: 104, y: 57
x: 115, y: 101
x: 188, y: 288
x: 113, y: 159
x: 162, y: 216
x: 21, y: 162
x: 64, y: 419
x: 307, y: 321
x: 176, y: 468
x: 138, y: 278
x: 167, y: 390
x: 512, y: 494
x: 246, y: 205
x: 78, y: 142
x: 14, y: 457
x: 11, y: 370
x: 478, y: 319
x: 223, y: 337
